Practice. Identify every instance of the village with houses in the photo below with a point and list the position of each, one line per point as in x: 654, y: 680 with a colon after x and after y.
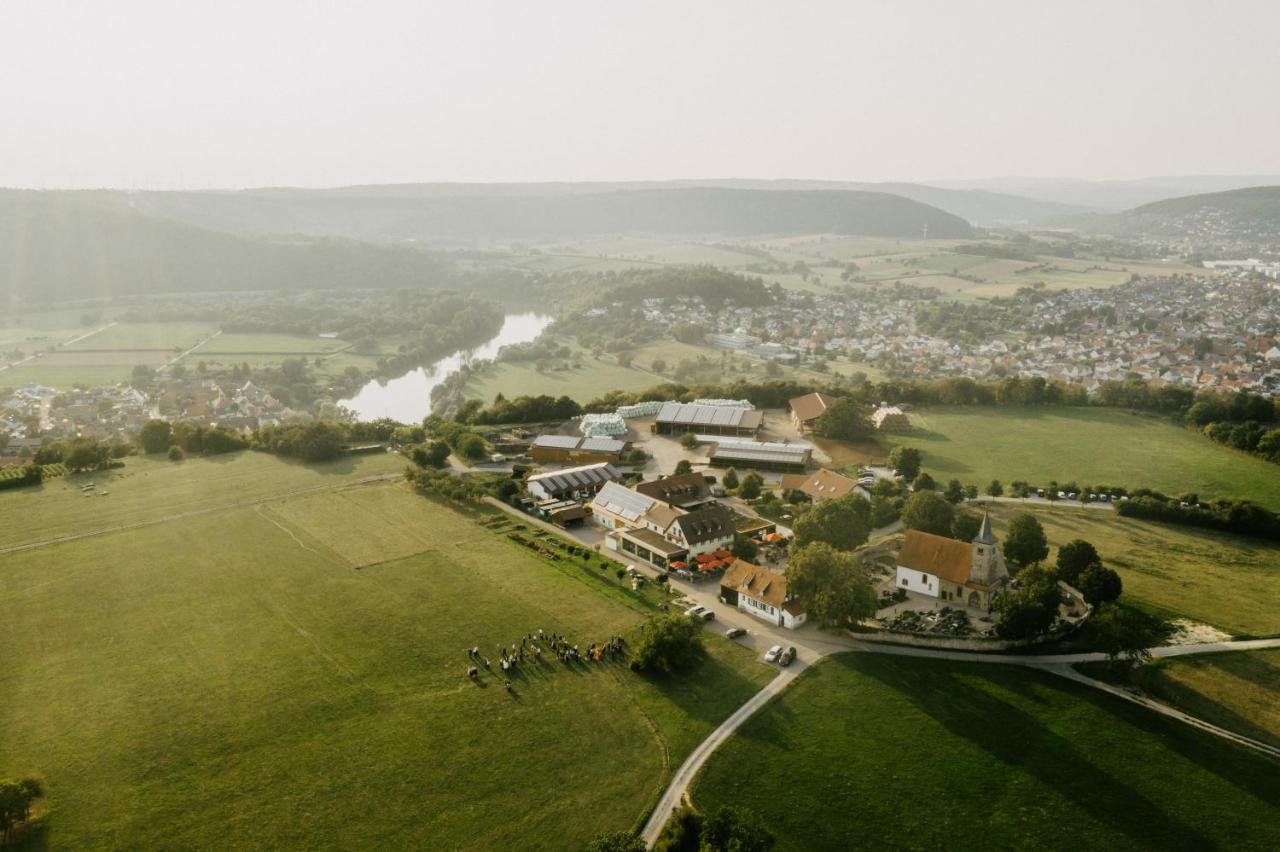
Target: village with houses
x: 1200, y: 332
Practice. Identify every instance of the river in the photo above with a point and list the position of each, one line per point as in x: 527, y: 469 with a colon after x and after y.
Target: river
x: 407, y: 399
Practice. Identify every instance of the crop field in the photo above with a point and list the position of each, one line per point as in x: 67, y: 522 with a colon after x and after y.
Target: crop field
x: 1237, y: 690
x: 291, y: 674
x: 171, y: 337
x: 1231, y: 582
x: 871, y: 751
x: 1087, y: 445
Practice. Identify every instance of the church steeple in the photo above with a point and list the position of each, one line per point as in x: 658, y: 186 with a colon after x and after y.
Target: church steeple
x: 985, y: 536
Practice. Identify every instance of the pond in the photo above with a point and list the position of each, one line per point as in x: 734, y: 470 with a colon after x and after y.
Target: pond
x: 408, y: 398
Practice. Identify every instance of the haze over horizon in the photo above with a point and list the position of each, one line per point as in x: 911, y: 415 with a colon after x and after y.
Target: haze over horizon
x: 228, y: 95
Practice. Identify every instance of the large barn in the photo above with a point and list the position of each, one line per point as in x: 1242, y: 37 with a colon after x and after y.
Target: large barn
x: 675, y: 418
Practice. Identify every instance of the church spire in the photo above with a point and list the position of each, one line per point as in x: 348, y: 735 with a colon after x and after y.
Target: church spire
x: 985, y: 536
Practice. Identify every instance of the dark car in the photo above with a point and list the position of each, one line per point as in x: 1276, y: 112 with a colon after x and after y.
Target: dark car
x: 787, y: 656
x: 735, y: 632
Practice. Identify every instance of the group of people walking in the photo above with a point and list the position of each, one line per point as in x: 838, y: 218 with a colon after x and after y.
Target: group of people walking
x: 533, y: 645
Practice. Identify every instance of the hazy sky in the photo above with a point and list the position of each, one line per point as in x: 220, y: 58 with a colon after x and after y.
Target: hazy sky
x: 198, y: 94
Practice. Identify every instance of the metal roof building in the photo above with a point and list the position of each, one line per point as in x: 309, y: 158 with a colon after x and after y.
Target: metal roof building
x: 761, y: 455
x: 573, y: 448
x: 575, y: 482
x: 678, y: 417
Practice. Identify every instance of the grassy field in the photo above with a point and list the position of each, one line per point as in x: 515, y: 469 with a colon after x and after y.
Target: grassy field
x: 868, y: 751
x: 232, y: 345
x: 152, y: 487
x: 1088, y: 445
x: 1237, y: 691
x: 291, y: 674
x: 167, y: 336
x: 597, y: 376
x: 1230, y: 582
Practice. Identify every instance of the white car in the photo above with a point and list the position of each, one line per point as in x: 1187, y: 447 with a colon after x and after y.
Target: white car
x: 695, y: 611
x: 774, y: 653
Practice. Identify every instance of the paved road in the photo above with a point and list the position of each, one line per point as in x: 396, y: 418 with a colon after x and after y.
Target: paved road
x: 674, y: 795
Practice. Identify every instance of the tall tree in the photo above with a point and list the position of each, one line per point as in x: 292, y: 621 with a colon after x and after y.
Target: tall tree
x: 1030, y: 609
x: 954, y: 493
x: 1075, y: 556
x: 906, y: 461
x: 1123, y: 633
x: 832, y: 586
x: 154, y: 436
x: 846, y: 419
x: 927, y: 512
x: 1024, y: 541
x: 842, y: 522
x: 1099, y: 584
x: 668, y: 643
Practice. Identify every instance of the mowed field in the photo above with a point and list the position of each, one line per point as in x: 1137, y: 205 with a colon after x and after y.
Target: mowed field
x: 598, y: 376
x: 1228, y: 581
x: 1239, y: 691
x: 148, y: 488
x: 867, y: 751
x: 291, y: 674
x: 1088, y: 445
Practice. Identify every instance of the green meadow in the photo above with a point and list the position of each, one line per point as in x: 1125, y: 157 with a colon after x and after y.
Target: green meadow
x: 1087, y: 445
x: 871, y: 751
x: 291, y: 672
x: 1235, y: 690
x: 1228, y: 581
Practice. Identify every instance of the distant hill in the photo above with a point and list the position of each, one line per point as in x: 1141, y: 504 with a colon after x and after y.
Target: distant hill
x: 450, y: 214
x: 58, y: 246
x: 1110, y: 196
x: 1240, y: 217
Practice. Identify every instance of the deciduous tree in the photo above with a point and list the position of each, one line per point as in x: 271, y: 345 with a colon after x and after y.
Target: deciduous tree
x: 832, y: 586
x: 842, y: 522
x: 927, y: 512
x: 906, y: 462
x: 1024, y: 541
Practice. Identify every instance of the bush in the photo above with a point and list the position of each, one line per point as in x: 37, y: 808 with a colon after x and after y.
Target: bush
x: 176, y: 454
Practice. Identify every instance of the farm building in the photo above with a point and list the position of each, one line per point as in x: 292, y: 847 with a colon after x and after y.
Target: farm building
x: 968, y: 573
x: 676, y: 418
x: 761, y: 455
x: 822, y: 484
x: 761, y: 592
x: 572, y: 482
x: 805, y: 410
x: 564, y: 449
x: 685, y: 490
x: 661, y: 533
x: 890, y: 418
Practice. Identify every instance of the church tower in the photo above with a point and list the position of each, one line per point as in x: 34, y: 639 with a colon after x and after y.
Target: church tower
x: 986, y: 565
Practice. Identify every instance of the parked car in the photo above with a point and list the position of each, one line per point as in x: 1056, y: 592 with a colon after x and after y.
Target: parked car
x: 695, y: 611
x: 773, y: 654
x: 788, y: 656
x: 735, y: 632
x: 707, y: 615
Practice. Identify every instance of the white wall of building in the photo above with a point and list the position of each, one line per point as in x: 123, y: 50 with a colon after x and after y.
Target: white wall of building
x: 917, y: 581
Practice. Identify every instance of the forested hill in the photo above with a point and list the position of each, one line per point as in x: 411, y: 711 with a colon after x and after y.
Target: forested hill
x: 1243, y: 215
x: 64, y: 246
x: 401, y: 213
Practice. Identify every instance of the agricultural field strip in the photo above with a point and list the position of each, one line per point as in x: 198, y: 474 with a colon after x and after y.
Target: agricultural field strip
x: 359, y: 483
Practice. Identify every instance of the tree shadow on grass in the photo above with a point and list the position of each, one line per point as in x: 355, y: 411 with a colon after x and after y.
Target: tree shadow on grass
x: 1024, y: 743
x: 710, y: 692
x: 1250, y: 772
